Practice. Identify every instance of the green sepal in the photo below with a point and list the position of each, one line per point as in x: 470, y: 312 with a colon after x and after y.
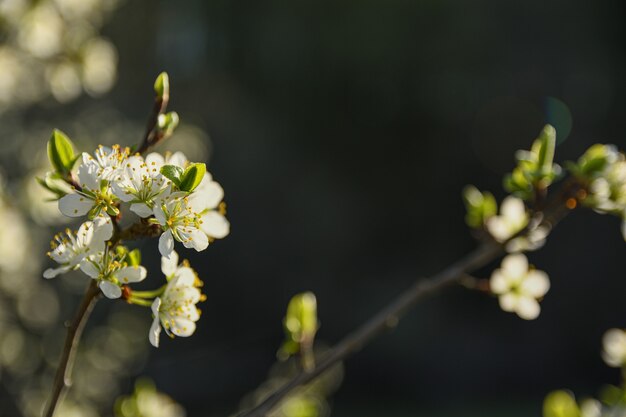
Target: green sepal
x: 192, y: 177
x: 173, y: 173
x: 61, y: 152
x: 134, y: 257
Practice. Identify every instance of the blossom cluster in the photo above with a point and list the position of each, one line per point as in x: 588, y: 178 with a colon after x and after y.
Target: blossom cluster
x: 597, y: 180
x: 124, y: 195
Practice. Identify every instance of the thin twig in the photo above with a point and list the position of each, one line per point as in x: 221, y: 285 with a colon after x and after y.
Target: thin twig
x: 389, y: 316
x: 62, y: 379
x: 384, y: 320
x: 150, y: 138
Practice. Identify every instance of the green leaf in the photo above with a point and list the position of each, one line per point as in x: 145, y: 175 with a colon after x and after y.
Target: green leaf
x: 173, y: 173
x: 192, y: 177
x: 300, y: 324
x: 162, y: 85
x: 544, y: 147
x: 480, y: 206
x: 560, y: 404
x: 134, y: 257
x: 61, y: 152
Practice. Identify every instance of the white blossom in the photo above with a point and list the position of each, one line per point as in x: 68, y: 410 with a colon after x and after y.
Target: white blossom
x: 180, y: 221
x: 176, y: 310
x: 512, y: 219
x: 519, y: 287
x: 139, y: 182
x: 110, y: 160
x: 111, y: 273
x: 70, y: 248
x: 614, y: 348
x: 94, y: 195
x: 206, y: 199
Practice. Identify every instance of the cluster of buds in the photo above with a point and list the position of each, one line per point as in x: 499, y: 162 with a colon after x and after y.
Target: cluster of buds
x: 153, y: 195
x: 598, y: 180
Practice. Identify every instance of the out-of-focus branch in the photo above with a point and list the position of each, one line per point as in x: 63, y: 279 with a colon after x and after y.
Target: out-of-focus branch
x: 62, y: 379
x: 555, y: 209
x: 151, y: 137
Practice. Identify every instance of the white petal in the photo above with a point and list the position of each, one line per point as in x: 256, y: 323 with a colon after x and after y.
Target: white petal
x: 131, y: 274
x: 178, y: 159
x: 515, y: 265
x: 155, y: 329
x: 89, y: 268
x: 157, y: 158
x: 141, y: 210
x: 498, y: 228
x: 528, y: 308
x: 166, y: 244
x: 169, y: 265
x: 88, y: 173
x: 197, y: 240
x: 498, y: 282
x: 513, y: 210
x: 155, y: 332
x: 109, y: 289
x: 75, y: 205
x: 51, y: 273
x: 207, y: 196
x: 159, y: 214
x: 215, y: 225
x: 183, y: 327
x: 508, y: 302
x: 103, y: 229
x: 536, y: 284
x: 185, y: 276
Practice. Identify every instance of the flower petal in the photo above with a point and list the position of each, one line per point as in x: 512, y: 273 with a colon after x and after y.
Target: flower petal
x: 536, y: 284
x: 88, y: 267
x: 499, y: 283
x: 51, y: 273
x: 169, y: 265
x: 508, y: 302
x: 515, y: 266
x: 195, y: 239
x: 131, y: 274
x: 183, y: 327
x: 215, y: 225
x: 527, y: 308
x: 166, y: 244
x: 109, y: 289
x: 75, y: 205
x: 141, y: 210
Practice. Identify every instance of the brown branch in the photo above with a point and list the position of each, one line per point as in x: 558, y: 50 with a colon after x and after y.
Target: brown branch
x: 62, y: 379
x: 152, y: 137
x: 388, y: 317
x: 382, y: 321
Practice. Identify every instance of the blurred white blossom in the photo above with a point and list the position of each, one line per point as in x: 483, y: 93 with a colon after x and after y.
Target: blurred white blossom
x: 519, y: 287
x: 614, y: 348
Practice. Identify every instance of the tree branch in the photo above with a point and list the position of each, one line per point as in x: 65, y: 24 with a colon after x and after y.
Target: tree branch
x: 384, y: 320
x: 62, y: 379
x: 389, y: 316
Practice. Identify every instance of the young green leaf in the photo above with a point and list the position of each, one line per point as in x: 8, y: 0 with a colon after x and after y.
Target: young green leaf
x: 172, y: 172
x: 162, y: 85
x: 61, y: 152
x: 192, y: 177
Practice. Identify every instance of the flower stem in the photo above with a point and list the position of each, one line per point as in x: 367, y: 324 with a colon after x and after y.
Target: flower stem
x: 149, y: 294
x: 140, y: 302
x: 62, y: 379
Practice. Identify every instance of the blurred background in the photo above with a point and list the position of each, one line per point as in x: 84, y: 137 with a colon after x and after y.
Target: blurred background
x: 343, y: 133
